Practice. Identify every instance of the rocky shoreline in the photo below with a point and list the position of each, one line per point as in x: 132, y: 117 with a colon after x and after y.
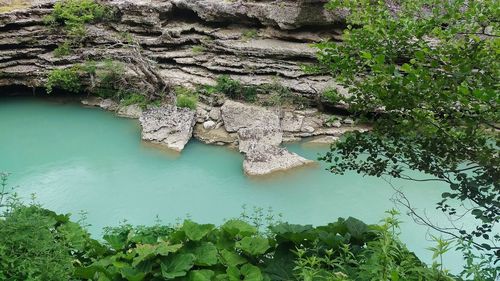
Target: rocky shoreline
x: 256, y: 42
x: 255, y: 131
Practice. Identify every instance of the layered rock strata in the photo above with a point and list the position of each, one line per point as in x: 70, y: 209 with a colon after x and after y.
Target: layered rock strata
x: 193, y: 41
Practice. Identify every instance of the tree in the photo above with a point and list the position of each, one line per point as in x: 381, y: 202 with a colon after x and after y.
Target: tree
x: 426, y: 73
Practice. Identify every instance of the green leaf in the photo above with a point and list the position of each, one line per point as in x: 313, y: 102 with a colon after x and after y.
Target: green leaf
x: 132, y: 274
x: 177, y: 266
x: 251, y: 273
x: 366, y: 55
x: 406, y: 68
x: 206, y: 254
x: 253, y: 245
x: 239, y: 228
x: 231, y: 259
x: 164, y: 248
x: 356, y: 227
x: 196, y: 231
x: 201, y: 275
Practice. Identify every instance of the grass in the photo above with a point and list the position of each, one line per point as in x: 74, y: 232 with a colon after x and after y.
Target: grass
x: 11, y: 5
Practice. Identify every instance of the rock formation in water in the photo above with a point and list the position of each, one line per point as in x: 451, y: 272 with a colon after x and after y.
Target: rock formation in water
x: 193, y: 42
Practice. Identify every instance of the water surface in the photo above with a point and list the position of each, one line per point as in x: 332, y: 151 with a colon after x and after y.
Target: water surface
x: 75, y: 158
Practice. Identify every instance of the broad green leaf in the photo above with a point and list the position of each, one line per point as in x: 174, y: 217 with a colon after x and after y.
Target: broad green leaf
x: 177, y: 266
x: 206, y: 254
x: 132, y: 274
x: 201, y: 275
x: 253, y: 245
x: 251, y: 273
x: 238, y: 227
x: 356, y: 227
x: 143, y: 252
x: 164, y: 248
x: 231, y: 259
x: 195, y: 231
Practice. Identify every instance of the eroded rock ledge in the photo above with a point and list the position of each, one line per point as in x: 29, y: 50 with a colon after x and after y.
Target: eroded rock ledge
x: 256, y: 131
x: 193, y: 41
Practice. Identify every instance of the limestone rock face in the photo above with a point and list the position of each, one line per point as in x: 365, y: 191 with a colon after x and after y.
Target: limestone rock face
x: 261, y: 135
x: 285, y: 14
x: 238, y: 116
x: 168, y: 125
x: 130, y: 111
x: 217, y: 136
x: 264, y: 159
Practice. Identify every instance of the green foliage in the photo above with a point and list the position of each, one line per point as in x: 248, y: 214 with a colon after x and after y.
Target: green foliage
x: 198, y: 49
x: 63, y: 49
x: 134, y: 98
x: 233, y: 89
x: 430, y: 68
x: 74, y: 14
x: 30, y: 250
x: 279, y: 95
x: 67, y: 79
x: 249, y: 34
x: 186, y: 98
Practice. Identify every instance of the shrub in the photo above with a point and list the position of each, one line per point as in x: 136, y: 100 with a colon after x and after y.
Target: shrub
x: 198, y: 49
x: 63, y: 49
x: 249, y: 34
x: 134, y: 98
x: 186, y: 98
x: 233, y: 89
x: 187, y: 101
x: 67, y: 79
x: 30, y: 250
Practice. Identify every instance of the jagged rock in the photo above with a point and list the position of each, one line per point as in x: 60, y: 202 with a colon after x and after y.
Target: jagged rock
x: 208, y: 125
x: 130, y: 111
x: 238, y: 116
x: 335, y: 124
x: 348, y: 121
x: 217, y: 136
x: 215, y: 114
x: 168, y: 125
x: 292, y: 122
x: 108, y: 104
x: 285, y: 14
x: 260, y: 135
x: 264, y: 159
x: 91, y: 101
x: 325, y: 140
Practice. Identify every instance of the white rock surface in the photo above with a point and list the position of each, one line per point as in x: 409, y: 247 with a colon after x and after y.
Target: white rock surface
x: 130, y: 111
x: 263, y: 159
x: 168, y: 125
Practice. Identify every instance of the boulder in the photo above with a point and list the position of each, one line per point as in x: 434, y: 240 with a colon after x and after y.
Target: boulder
x: 238, y: 115
x: 130, y: 111
x: 108, y: 104
x: 218, y: 136
x: 264, y: 159
x: 168, y: 125
x: 292, y: 122
x: 323, y: 140
x: 208, y: 125
x: 260, y: 135
x: 215, y: 114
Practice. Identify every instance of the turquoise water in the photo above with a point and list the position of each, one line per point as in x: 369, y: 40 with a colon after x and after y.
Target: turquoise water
x: 75, y: 158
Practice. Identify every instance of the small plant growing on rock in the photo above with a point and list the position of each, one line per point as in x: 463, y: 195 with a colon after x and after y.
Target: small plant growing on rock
x: 198, y: 49
x: 63, y: 49
x: 67, y: 79
x: 249, y: 34
x: 186, y: 98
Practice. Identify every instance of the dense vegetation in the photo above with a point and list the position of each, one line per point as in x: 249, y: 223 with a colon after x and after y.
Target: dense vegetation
x: 38, y: 244
x: 426, y: 73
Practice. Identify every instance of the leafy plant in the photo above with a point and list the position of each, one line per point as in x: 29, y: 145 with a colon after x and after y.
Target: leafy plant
x: 67, y: 79
x: 63, y: 49
x: 186, y: 98
x: 429, y: 69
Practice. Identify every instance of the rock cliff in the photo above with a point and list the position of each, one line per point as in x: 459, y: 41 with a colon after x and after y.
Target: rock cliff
x: 194, y: 41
